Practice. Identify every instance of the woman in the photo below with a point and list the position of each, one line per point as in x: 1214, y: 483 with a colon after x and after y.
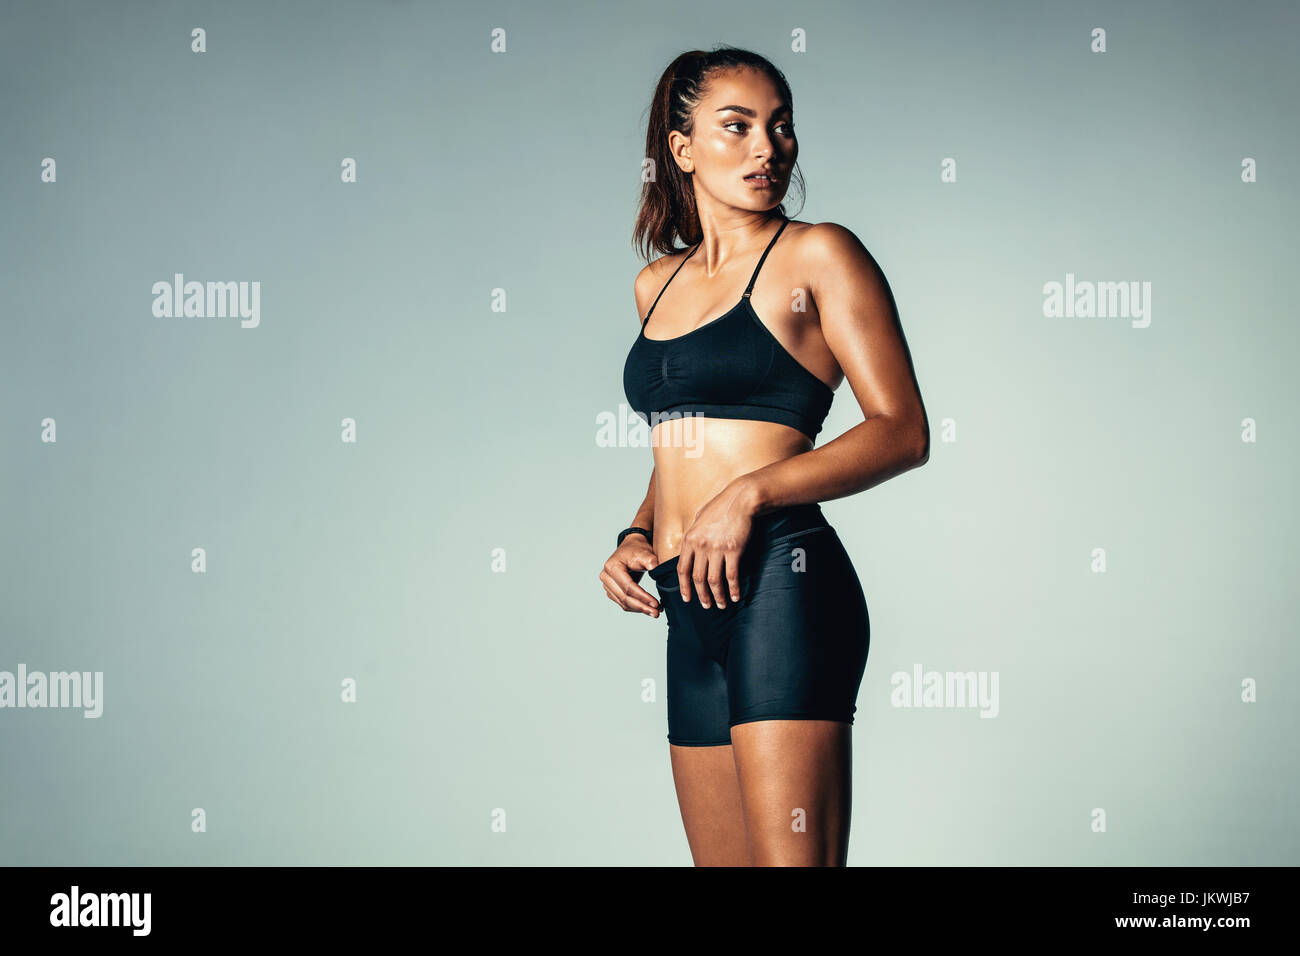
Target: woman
x: 767, y: 622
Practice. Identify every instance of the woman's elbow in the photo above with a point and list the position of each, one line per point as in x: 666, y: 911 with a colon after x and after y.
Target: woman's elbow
x: 920, y: 436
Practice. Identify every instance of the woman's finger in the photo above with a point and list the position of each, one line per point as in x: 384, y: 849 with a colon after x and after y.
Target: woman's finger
x: 625, y: 599
x: 642, y: 562
x: 733, y: 574
x: 685, y: 561
x: 717, y: 577
x: 700, y: 573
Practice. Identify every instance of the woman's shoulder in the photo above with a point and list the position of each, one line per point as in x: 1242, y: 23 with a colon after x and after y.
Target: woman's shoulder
x: 828, y: 248
x: 652, y: 277
x: 826, y: 239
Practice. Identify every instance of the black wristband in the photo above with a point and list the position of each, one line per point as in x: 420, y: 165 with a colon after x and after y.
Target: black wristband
x: 627, y: 531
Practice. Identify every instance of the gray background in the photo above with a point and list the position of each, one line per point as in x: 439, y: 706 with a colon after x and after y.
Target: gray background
x: 522, y: 690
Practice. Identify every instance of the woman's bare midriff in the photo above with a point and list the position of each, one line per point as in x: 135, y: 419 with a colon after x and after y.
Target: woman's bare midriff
x: 697, y: 457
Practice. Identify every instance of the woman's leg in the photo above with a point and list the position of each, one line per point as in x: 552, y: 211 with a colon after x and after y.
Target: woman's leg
x: 708, y: 793
x: 796, y: 790
x: 699, y: 740
x: 793, y: 674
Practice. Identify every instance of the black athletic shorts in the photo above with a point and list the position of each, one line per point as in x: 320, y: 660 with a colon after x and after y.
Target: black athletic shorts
x: 792, y: 648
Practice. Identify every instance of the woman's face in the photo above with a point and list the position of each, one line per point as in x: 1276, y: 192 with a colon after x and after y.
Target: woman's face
x: 741, y: 126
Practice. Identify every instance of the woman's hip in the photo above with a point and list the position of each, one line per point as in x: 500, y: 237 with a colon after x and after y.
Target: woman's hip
x: 794, y: 557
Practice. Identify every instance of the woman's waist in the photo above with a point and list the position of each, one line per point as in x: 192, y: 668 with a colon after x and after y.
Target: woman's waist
x: 722, y: 445
x: 767, y: 530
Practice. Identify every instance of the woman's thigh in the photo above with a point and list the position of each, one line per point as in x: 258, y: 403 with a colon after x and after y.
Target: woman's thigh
x: 796, y: 790
x: 708, y: 793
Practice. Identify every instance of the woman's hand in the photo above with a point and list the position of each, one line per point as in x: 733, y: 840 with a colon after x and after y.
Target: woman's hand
x: 712, y: 546
x: 622, y: 571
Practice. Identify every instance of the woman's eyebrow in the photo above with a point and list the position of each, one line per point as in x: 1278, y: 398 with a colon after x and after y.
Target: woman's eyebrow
x: 748, y: 112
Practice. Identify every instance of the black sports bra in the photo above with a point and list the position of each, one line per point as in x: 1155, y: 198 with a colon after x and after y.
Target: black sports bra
x: 732, y: 367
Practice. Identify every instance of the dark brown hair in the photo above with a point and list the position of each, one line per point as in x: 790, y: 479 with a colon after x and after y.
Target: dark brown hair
x: 667, y: 205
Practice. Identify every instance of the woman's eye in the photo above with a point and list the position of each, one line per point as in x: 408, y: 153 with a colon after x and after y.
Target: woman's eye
x: 789, y: 127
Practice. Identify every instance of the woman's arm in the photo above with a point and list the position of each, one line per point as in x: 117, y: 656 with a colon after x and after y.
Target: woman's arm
x: 645, y: 515
x: 861, y: 326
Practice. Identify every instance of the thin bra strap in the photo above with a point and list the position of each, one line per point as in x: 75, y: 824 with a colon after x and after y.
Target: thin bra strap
x: 670, y: 279
x: 750, y: 287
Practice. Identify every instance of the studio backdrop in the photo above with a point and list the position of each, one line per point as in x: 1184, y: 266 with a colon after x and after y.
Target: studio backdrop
x: 313, y: 438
